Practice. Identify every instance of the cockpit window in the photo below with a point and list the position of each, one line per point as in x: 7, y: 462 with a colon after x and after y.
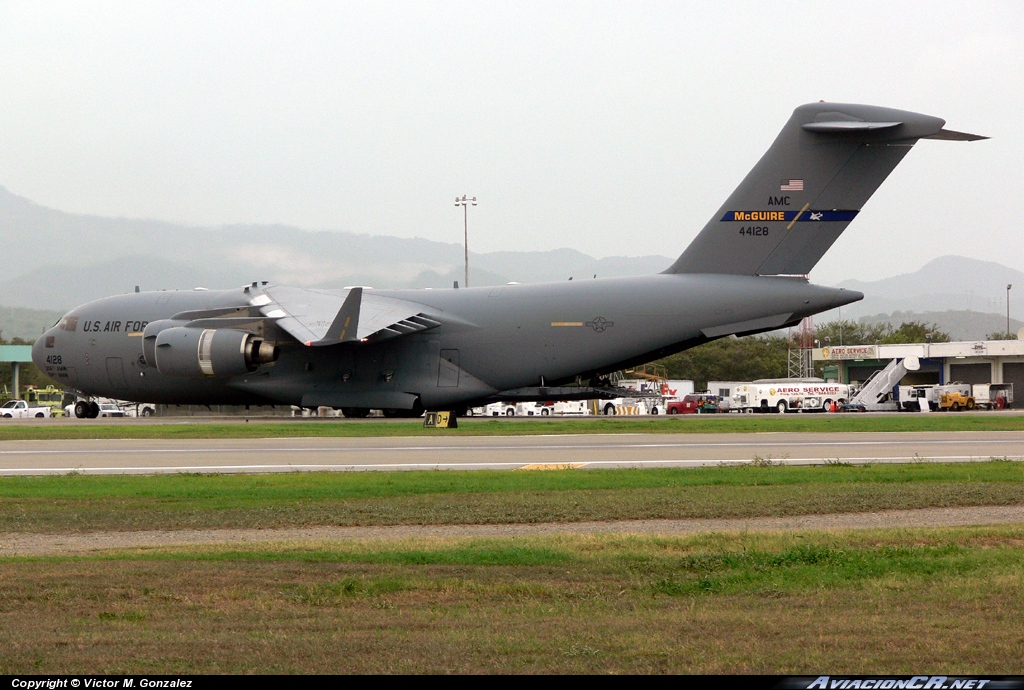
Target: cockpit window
x: 68, y: 323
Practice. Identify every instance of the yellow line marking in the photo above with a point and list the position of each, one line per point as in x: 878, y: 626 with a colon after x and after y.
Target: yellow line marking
x: 554, y: 466
x: 566, y: 323
x: 795, y: 219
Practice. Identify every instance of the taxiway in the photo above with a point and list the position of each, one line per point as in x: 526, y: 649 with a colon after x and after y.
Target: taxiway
x: 129, y: 456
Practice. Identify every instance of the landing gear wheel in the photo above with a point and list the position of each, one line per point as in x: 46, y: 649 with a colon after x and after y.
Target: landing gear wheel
x: 81, y: 409
x: 94, y: 410
x: 356, y: 412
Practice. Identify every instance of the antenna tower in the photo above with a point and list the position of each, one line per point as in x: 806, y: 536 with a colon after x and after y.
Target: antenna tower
x: 801, y: 343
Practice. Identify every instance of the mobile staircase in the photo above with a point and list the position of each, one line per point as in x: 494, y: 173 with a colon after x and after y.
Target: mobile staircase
x: 875, y: 394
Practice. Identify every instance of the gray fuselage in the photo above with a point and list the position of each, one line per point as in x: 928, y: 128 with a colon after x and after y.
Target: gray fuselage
x: 490, y: 339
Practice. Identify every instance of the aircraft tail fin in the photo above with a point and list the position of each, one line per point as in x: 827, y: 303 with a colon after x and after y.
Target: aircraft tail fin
x: 824, y: 165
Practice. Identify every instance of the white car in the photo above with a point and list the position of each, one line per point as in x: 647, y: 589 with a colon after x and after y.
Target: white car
x: 110, y: 410
x: 83, y: 409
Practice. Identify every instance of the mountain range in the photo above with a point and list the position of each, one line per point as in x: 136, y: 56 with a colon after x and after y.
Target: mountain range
x: 54, y: 260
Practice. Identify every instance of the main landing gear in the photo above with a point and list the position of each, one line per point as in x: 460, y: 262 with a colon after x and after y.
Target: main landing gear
x: 85, y: 409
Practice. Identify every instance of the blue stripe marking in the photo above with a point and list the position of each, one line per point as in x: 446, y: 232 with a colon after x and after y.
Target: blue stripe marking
x: 808, y: 216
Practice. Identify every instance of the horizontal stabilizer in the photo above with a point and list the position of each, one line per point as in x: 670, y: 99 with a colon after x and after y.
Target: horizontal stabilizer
x: 950, y: 135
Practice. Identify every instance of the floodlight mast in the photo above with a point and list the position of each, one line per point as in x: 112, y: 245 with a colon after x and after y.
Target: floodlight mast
x: 465, y: 202
x: 1008, y: 286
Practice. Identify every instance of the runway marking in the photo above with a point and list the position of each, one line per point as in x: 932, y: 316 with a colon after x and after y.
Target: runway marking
x: 477, y: 448
x: 203, y: 469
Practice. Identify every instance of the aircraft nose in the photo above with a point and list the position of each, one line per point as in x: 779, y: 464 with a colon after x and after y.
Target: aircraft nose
x: 39, y: 349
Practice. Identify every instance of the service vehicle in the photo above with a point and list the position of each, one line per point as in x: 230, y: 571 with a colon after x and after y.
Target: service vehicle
x: 50, y: 396
x: 510, y: 409
x: 724, y: 391
x: 131, y: 409
x: 19, y: 409
x: 957, y: 397
x: 993, y: 396
x: 91, y: 409
x: 577, y: 408
x: 695, y: 403
x: 789, y: 395
x: 628, y: 406
x: 914, y: 398
x: 109, y: 409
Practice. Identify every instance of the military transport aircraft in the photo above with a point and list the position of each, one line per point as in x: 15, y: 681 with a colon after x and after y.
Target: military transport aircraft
x: 404, y: 351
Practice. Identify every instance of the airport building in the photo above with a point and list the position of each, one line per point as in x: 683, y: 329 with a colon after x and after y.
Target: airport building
x: 983, y: 361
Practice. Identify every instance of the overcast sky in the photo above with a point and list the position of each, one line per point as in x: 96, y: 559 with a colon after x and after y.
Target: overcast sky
x: 612, y: 128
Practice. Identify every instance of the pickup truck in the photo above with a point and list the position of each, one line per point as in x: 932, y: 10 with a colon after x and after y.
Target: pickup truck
x: 695, y: 403
x: 19, y: 409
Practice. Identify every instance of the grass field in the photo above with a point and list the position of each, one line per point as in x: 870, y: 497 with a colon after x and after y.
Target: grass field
x: 680, y: 424
x: 884, y: 601
x: 84, y: 503
x: 893, y: 602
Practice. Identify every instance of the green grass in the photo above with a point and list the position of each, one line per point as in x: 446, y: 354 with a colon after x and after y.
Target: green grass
x: 892, y: 601
x: 499, y: 427
x: 81, y: 503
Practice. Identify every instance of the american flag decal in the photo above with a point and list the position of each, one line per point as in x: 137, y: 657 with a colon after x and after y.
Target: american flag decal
x: 792, y: 186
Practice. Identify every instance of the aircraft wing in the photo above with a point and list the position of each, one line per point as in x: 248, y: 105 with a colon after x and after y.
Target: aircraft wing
x: 329, y: 317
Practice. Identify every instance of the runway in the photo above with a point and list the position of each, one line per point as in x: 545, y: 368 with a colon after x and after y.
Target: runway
x: 583, y: 451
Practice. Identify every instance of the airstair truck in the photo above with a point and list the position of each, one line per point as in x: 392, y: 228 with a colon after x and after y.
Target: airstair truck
x: 876, y: 393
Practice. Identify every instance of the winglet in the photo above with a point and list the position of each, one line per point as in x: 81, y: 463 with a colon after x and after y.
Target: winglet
x: 346, y: 322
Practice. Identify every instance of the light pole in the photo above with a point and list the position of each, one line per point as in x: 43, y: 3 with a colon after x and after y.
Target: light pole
x: 465, y: 203
x: 1008, y: 286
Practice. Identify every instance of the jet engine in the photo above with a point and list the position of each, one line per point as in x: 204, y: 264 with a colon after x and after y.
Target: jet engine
x: 204, y: 352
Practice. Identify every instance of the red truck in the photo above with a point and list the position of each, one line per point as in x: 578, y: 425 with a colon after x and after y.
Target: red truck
x: 694, y: 403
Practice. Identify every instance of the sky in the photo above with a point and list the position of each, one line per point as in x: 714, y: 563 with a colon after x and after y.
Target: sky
x: 611, y: 128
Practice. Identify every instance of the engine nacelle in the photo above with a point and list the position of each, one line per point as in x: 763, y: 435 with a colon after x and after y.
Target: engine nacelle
x: 153, y: 329
x: 205, y: 352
